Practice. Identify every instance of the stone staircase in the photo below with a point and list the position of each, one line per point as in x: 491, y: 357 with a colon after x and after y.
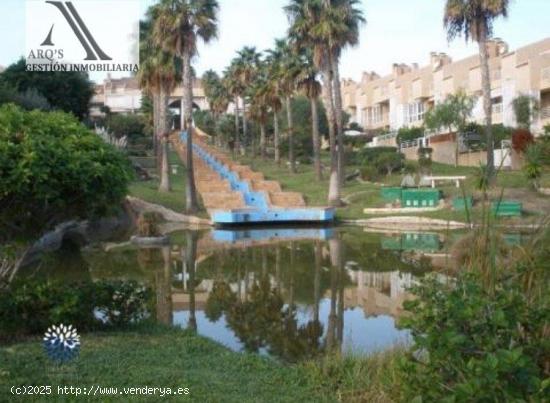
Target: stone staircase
x: 217, y: 193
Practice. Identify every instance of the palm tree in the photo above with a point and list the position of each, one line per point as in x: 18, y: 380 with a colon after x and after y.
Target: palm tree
x: 158, y: 76
x: 326, y: 27
x: 474, y: 19
x: 273, y: 95
x: 286, y: 71
x: 259, y: 106
x: 178, y: 28
x: 235, y: 89
x: 246, y: 66
x: 308, y: 84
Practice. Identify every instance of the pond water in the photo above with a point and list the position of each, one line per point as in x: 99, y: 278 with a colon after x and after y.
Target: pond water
x: 288, y: 293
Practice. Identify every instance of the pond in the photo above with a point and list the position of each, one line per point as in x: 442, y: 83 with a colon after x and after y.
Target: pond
x: 287, y: 293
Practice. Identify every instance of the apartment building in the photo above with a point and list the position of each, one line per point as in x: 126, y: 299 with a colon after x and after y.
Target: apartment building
x: 401, y: 98
x: 123, y: 95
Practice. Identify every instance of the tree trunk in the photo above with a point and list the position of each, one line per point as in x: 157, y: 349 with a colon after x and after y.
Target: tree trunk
x: 457, y: 139
x: 245, y: 128
x: 237, y: 143
x: 163, y: 133
x: 262, y: 140
x: 156, y: 138
x: 276, y: 138
x: 487, y: 104
x: 334, y: 185
x: 190, y: 259
x: 190, y: 189
x: 290, y: 135
x: 339, y: 123
x: 316, y: 139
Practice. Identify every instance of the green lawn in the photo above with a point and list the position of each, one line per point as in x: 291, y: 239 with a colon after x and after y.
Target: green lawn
x: 174, y: 200
x: 166, y: 357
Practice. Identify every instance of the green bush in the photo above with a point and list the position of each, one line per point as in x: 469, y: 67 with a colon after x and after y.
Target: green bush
x: 369, y: 173
x: 474, y: 342
x: 130, y: 126
x: 54, y: 169
x: 409, y: 134
x: 30, y: 307
x: 205, y: 121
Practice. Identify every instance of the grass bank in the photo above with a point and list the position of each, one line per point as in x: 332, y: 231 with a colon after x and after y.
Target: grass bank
x: 158, y: 356
x: 360, y: 195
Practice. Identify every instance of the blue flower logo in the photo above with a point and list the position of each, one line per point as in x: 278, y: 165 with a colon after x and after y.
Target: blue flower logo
x: 62, y: 343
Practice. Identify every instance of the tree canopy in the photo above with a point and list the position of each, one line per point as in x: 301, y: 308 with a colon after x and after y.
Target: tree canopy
x: 66, y: 91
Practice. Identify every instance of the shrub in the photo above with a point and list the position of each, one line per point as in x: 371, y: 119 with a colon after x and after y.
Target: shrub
x: 369, y: 173
x: 369, y: 155
x: 29, y: 307
x: 205, y: 121
x: 533, y: 163
x: 521, y: 138
x: 409, y: 133
x: 130, y: 126
x: 54, y: 169
x: 389, y: 162
x: 475, y: 343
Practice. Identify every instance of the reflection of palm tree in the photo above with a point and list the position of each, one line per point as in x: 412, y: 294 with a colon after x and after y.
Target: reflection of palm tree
x: 191, y: 258
x: 164, y: 289
x: 317, y: 281
x: 336, y: 320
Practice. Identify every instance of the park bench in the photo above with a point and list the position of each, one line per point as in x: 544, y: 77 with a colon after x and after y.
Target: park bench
x: 434, y: 179
x: 507, y: 208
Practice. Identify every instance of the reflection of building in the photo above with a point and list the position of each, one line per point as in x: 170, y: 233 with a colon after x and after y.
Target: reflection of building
x: 378, y: 293
x: 123, y: 95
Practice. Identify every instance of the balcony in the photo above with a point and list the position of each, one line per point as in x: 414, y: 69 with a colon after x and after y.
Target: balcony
x: 545, y: 113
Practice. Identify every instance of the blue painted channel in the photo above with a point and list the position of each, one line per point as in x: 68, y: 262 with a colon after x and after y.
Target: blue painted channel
x: 258, y: 210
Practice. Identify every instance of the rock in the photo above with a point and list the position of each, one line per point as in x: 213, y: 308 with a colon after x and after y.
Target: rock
x: 150, y: 241
x: 139, y: 206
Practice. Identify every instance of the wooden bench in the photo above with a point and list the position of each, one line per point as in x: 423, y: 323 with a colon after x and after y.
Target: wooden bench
x: 434, y: 179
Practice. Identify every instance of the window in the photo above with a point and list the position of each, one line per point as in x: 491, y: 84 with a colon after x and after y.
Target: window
x: 374, y: 115
x: 496, y: 105
x: 414, y: 112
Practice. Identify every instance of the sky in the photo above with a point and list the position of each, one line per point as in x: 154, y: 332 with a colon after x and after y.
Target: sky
x: 397, y: 31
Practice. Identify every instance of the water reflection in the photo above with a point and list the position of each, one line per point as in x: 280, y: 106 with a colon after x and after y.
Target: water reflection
x: 292, y: 299
x: 291, y: 294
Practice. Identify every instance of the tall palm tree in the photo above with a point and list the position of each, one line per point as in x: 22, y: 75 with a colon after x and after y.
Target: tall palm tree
x: 246, y: 66
x: 286, y: 71
x: 327, y: 27
x: 179, y: 27
x: 158, y: 76
x: 234, y: 88
x: 259, y: 106
x: 308, y: 84
x: 474, y: 20
x: 273, y: 96
x: 210, y: 82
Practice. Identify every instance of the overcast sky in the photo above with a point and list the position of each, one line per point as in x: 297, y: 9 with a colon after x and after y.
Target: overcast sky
x: 404, y: 31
